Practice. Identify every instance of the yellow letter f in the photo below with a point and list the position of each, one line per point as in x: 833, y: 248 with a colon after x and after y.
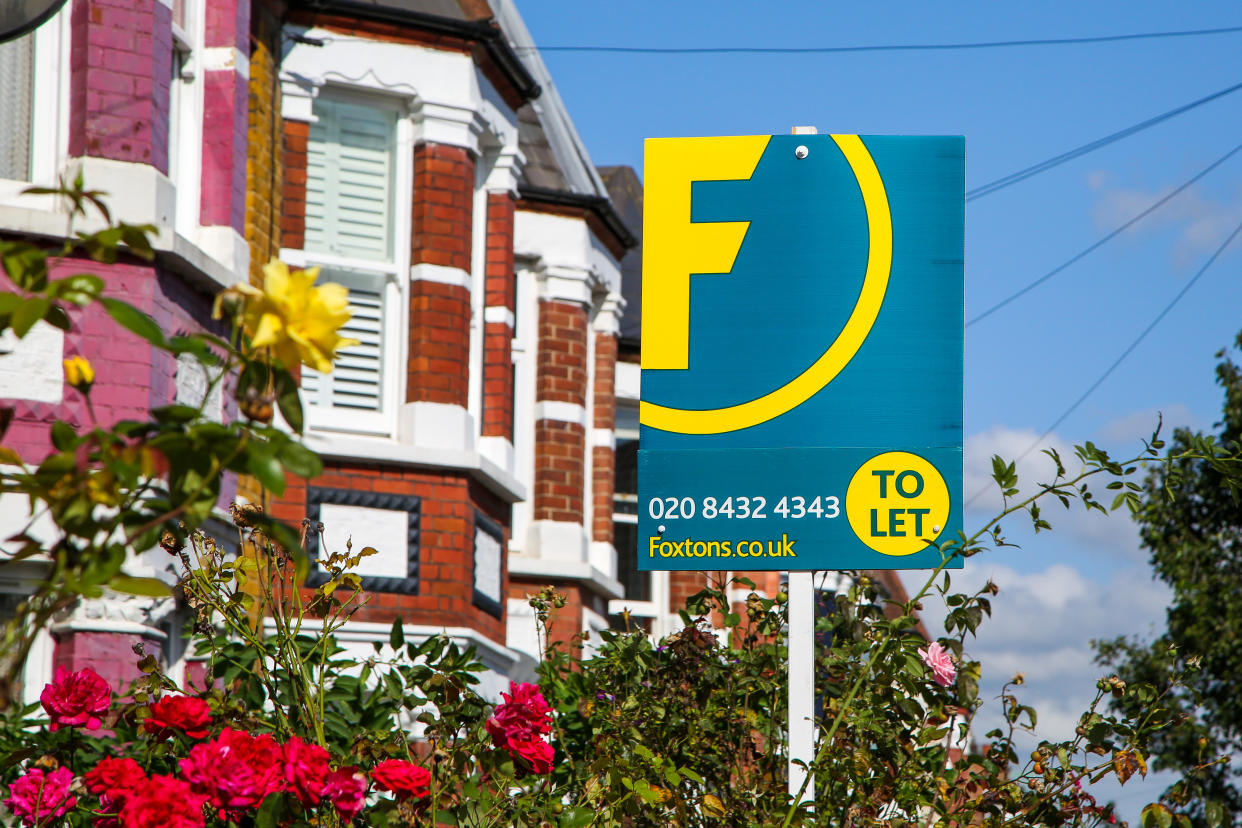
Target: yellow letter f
x: 673, y: 246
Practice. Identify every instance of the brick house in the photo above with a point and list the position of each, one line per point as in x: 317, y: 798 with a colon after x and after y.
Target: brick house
x: 411, y: 153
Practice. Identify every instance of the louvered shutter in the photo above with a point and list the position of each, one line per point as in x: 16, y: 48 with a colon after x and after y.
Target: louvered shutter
x: 16, y: 79
x: 349, y: 181
x: 356, y: 382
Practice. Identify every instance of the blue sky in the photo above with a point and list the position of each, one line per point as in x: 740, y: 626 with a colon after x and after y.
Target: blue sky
x: 1016, y: 106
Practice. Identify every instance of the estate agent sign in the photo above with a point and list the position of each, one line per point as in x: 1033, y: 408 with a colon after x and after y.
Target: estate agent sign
x: 801, y: 352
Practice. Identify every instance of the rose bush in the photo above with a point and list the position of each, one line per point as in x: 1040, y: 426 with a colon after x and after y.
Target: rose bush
x: 291, y: 730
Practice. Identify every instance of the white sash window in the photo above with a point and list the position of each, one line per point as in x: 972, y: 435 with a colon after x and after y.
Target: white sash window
x: 351, y: 225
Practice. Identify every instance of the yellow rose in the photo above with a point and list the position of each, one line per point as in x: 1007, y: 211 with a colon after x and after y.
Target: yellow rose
x: 79, y: 373
x: 296, y: 319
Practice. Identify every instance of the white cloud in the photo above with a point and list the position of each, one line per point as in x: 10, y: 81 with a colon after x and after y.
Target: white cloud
x: 1114, y: 535
x: 1139, y: 425
x: 1202, y: 223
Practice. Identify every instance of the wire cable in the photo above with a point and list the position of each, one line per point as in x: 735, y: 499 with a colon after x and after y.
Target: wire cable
x: 1055, y: 161
x: 1129, y: 349
x: 891, y: 47
x: 1107, y: 238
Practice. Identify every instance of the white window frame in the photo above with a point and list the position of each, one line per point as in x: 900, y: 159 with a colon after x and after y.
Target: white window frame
x: 525, y: 352
x: 395, y: 338
x: 49, y: 110
x: 185, y: 117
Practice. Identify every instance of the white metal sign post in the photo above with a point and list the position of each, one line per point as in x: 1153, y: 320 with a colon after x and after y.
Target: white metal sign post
x: 801, y: 645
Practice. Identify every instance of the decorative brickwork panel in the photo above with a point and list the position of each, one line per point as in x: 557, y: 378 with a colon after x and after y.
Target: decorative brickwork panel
x: 121, y: 71
x: 446, y: 543
x: 562, y: 363
x: 439, y: 368
x: 559, y: 475
x: 264, y: 169
x: 293, y: 191
x: 443, y: 206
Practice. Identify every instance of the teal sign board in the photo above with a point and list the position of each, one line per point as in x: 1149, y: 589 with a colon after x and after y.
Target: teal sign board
x: 801, y: 353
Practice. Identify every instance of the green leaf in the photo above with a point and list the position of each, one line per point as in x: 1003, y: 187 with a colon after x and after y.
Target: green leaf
x: 175, y: 413
x: 63, y: 435
x: 25, y: 264
x: 147, y: 587
x: 396, y: 636
x: 288, y: 400
x: 300, y: 460
x: 266, y: 468
x: 80, y: 288
x: 1214, y: 814
x: 134, y: 320
x: 578, y: 816
x: 30, y: 312
x: 1156, y: 815
x: 269, y: 811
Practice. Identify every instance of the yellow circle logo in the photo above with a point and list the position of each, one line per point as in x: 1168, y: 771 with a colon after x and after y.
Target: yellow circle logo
x: 897, y: 503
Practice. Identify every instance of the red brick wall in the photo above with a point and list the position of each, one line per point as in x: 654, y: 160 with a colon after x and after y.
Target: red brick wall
x: 446, y: 541
x: 121, y: 69
x: 443, y: 205
x: 603, y: 458
x: 501, y: 287
x: 561, y: 366
x: 293, y: 193
x: 439, y: 369
x: 110, y: 654
x: 559, y: 460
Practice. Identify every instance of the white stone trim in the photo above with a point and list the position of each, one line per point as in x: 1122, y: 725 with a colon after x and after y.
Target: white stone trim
x: 603, y: 438
x: 450, y: 124
x: 557, y: 541
x: 608, y: 317
x: 443, y: 274
x: 499, y: 450
x: 629, y: 385
x: 741, y: 595
x: 436, y: 425
x: 506, y: 171
x: 226, y: 246
x: 499, y: 314
x: 553, y: 570
x: 32, y: 368
x: 225, y: 59
x: 638, y: 609
x: 603, y: 556
x: 297, y: 98
x: 380, y: 450
x: 141, y: 194
x: 560, y: 411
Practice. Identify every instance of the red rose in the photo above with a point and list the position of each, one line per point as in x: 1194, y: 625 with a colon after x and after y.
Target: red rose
x: 188, y: 714
x: 346, y: 789
x: 235, y: 771
x: 38, y: 798
x: 164, y: 802
x: 306, y: 768
x: 115, y: 782
x: 405, y: 779
x: 535, y: 754
x: 76, y: 699
x: 522, y: 716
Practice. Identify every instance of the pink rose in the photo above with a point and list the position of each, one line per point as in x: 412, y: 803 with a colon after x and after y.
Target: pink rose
x: 306, y: 768
x: 164, y: 802
x: 405, y: 779
x: 115, y: 782
x: 523, y: 715
x: 39, y: 797
x: 76, y: 699
x: 235, y: 771
x: 535, y: 754
x: 187, y: 714
x: 940, y: 662
x: 346, y: 789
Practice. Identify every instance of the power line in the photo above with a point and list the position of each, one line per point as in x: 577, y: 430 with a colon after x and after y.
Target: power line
x: 1112, y: 235
x: 1129, y: 349
x: 1023, y: 174
x: 891, y: 47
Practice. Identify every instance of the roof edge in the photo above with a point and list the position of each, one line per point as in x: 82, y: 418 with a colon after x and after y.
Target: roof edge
x: 601, y: 206
x: 484, y: 32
